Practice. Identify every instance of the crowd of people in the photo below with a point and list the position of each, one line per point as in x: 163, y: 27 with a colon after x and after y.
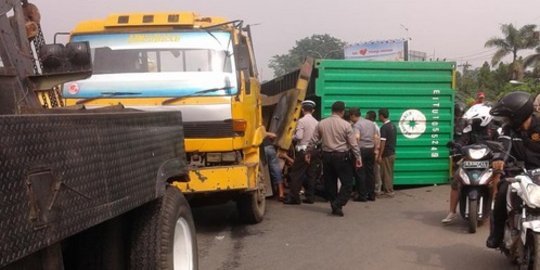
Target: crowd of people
x: 514, y: 121
x: 356, y: 157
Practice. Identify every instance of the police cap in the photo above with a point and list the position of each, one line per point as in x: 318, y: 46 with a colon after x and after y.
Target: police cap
x: 308, y: 104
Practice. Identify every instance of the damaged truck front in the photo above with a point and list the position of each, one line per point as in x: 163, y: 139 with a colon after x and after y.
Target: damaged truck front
x: 205, y: 68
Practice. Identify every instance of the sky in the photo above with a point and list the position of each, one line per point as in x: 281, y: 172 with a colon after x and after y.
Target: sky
x: 451, y: 29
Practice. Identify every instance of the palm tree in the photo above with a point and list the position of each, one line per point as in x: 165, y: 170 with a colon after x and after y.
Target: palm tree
x: 533, y: 59
x: 513, y: 41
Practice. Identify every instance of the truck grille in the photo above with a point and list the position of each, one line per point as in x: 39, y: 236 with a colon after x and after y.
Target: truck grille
x: 209, y: 129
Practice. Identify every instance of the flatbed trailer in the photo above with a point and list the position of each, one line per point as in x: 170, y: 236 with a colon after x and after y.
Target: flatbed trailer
x: 83, y: 189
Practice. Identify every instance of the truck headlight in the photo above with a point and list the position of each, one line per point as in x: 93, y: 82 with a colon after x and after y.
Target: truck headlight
x: 213, y: 157
x: 221, y: 157
x: 228, y: 157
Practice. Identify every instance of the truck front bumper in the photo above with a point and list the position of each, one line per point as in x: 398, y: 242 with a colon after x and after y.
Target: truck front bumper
x: 215, y: 179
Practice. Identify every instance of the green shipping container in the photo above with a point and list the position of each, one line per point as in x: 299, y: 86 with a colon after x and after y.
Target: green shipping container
x: 420, y: 98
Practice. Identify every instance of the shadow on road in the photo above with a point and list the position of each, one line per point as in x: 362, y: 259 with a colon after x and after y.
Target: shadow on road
x: 433, y: 218
x: 216, y: 218
x: 457, y: 256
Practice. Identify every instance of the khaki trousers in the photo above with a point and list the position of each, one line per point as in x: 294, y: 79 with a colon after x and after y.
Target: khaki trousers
x: 387, y: 173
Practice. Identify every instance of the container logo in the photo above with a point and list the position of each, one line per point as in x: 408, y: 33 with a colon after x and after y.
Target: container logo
x: 412, y: 124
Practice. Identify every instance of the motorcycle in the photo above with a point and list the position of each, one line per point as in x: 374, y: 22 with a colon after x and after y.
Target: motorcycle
x: 474, y: 174
x: 522, y: 230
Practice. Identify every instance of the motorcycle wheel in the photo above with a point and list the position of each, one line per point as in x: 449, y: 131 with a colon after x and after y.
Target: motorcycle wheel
x: 531, y: 254
x: 473, y: 215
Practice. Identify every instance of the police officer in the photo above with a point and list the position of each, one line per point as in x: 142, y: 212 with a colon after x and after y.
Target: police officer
x: 521, y: 139
x: 302, y: 172
x: 338, y: 138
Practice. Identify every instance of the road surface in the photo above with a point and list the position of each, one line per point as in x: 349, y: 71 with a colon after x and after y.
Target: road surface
x: 400, y: 233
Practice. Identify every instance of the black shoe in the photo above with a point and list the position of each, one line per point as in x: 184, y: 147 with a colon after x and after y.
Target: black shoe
x: 336, y: 210
x: 371, y: 198
x: 360, y: 199
x: 291, y: 201
x: 493, y: 241
x: 308, y: 201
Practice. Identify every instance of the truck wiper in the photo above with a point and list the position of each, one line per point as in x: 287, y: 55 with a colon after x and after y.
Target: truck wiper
x: 174, y: 99
x: 106, y: 95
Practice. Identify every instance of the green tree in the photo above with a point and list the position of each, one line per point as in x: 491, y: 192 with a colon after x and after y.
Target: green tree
x: 466, y: 83
x: 533, y: 60
x: 486, y: 82
x: 316, y: 46
x: 513, y: 41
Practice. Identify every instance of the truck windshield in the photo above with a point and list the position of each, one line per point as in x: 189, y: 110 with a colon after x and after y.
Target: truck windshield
x: 108, y: 61
x: 161, y: 64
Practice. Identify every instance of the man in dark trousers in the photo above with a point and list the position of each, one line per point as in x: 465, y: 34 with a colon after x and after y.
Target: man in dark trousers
x: 367, y: 134
x: 520, y: 139
x: 387, y: 154
x: 301, y: 172
x: 338, y: 138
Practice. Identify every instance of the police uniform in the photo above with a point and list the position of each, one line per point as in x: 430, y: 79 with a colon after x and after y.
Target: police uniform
x: 301, y: 172
x: 337, y: 139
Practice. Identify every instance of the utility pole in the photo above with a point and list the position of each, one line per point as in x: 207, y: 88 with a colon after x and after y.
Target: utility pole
x: 465, y: 67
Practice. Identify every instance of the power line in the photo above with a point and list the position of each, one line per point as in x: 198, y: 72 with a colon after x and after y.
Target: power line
x: 473, y: 54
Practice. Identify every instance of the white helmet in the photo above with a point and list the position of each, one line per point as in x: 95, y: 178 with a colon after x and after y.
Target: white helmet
x: 480, y: 113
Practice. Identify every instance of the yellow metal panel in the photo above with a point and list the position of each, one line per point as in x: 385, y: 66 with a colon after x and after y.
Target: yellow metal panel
x: 152, y: 101
x: 292, y: 119
x: 216, y: 179
x: 136, y: 24
x: 94, y: 26
x: 136, y: 19
x: 211, y: 145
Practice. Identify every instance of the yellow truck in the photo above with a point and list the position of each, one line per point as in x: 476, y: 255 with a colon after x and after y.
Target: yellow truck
x: 203, y: 67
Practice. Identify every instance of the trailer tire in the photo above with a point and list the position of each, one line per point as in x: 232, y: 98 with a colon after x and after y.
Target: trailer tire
x: 163, y: 234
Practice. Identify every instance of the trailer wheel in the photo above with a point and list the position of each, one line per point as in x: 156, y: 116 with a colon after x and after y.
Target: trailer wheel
x: 252, y: 205
x: 163, y: 236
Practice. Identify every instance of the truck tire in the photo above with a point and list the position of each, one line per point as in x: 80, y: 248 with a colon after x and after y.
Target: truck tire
x: 163, y: 234
x: 252, y: 205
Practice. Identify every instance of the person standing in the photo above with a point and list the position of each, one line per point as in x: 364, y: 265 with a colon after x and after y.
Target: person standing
x: 387, y: 154
x: 372, y: 116
x: 273, y: 163
x: 520, y: 139
x: 480, y: 98
x: 367, y: 135
x: 302, y: 172
x: 338, y: 138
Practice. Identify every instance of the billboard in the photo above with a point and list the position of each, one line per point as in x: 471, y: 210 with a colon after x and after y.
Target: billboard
x: 384, y: 50
x: 417, y: 56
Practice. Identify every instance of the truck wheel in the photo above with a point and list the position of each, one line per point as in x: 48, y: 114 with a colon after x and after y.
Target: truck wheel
x: 252, y: 205
x: 163, y: 234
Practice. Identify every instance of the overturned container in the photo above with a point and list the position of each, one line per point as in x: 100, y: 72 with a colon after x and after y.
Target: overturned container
x: 419, y: 97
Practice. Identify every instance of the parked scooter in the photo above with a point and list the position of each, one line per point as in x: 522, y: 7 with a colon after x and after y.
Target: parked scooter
x: 522, y: 231
x: 474, y: 174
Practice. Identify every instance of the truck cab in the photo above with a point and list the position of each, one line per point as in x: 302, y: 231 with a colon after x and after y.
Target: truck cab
x: 201, y: 66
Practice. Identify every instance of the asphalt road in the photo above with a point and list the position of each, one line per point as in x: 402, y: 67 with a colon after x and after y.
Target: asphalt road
x: 400, y: 233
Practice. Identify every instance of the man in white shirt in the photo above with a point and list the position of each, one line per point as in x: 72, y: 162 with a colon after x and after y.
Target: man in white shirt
x: 301, y: 172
